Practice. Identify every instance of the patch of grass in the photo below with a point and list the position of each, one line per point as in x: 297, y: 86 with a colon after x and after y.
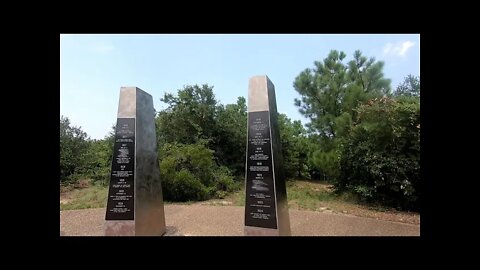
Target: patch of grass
x: 66, y: 188
x: 349, y: 197
x: 90, y: 197
x: 305, y: 196
x: 237, y: 198
x: 94, y: 196
x: 301, y: 195
x: 240, y: 197
x: 182, y: 203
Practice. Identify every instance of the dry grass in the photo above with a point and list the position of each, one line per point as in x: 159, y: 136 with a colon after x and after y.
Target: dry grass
x: 86, y: 197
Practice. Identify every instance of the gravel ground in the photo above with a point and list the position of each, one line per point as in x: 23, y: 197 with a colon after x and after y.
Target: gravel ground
x: 204, y: 220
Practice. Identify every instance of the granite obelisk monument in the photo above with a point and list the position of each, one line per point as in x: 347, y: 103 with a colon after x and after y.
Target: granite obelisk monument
x: 266, y: 206
x: 135, y: 200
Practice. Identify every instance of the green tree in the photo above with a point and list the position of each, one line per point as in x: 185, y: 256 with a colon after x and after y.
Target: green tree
x: 294, y: 146
x: 100, y: 158
x: 189, y: 117
x: 195, y: 115
x: 74, y: 145
x: 330, y: 94
x: 231, y: 136
x: 410, y: 87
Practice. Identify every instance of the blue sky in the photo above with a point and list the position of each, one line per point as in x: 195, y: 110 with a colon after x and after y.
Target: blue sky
x: 94, y: 67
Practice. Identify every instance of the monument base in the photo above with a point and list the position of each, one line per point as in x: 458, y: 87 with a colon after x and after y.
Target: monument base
x: 125, y: 228
x: 119, y: 228
x: 259, y: 231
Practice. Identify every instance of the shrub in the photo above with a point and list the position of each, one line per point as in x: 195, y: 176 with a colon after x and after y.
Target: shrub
x: 189, y: 173
x: 381, y: 158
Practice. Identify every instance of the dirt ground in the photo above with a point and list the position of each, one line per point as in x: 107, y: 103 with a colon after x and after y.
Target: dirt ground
x: 207, y: 220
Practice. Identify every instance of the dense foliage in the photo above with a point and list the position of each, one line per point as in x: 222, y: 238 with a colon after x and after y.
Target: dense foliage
x: 381, y: 158
x: 366, y: 139
x: 189, y: 173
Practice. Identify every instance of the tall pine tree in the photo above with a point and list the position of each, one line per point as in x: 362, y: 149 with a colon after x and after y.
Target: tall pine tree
x: 330, y: 92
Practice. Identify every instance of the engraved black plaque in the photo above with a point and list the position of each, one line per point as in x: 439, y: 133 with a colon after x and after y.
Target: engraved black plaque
x: 120, y: 204
x: 260, y: 194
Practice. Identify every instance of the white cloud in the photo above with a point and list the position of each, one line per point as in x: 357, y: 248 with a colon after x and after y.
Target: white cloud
x: 102, y: 48
x: 397, y: 49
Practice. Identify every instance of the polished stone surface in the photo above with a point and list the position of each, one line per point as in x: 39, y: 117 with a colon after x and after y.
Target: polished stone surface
x: 149, y: 211
x: 257, y: 94
x: 127, y: 102
x: 261, y: 97
x: 149, y: 219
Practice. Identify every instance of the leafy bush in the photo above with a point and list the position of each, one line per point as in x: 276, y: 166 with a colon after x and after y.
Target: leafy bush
x: 381, y: 158
x: 189, y: 173
x: 185, y: 187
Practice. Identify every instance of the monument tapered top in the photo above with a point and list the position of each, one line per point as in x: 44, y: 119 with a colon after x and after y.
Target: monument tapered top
x: 260, y: 76
x: 127, y: 105
x: 133, y: 88
x: 260, y: 88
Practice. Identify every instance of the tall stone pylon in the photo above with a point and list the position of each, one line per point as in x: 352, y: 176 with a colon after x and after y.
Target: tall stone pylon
x: 266, y: 206
x: 135, y: 200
